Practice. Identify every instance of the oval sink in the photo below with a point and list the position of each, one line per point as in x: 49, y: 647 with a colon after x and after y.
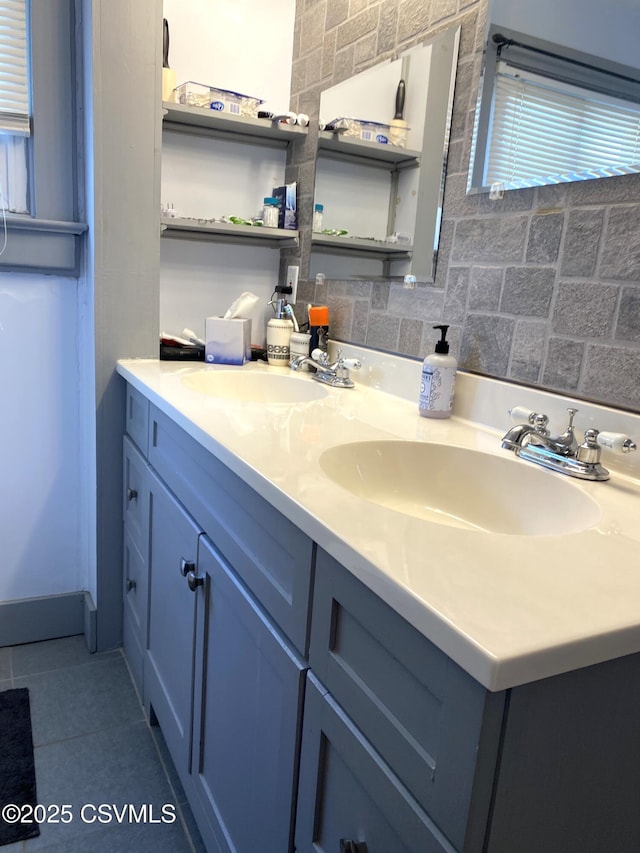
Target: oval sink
x: 253, y: 386
x: 461, y: 488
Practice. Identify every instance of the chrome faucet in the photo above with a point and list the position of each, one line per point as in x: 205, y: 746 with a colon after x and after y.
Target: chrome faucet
x: 335, y: 374
x: 533, y: 441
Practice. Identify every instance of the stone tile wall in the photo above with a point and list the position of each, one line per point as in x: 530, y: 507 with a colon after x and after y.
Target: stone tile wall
x: 541, y: 287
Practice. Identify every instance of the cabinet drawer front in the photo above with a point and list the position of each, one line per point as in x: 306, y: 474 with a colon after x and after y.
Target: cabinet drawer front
x: 137, y: 418
x: 135, y: 497
x: 271, y: 555
x: 348, y: 792
x: 134, y: 628
x: 422, y: 713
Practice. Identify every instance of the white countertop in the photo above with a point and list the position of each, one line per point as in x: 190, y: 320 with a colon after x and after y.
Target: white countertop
x: 508, y: 609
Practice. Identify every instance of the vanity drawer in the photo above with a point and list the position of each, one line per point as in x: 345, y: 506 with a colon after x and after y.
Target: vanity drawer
x: 348, y: 794
x: 426, y: 717
x: 135, y: 496
x: 271, y: 555
x: 137, y: 417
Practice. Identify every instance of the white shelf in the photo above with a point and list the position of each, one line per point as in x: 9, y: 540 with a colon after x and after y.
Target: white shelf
x: 386, y: 156
x: 223, y: 232
x: 202, y: 121
x: 360, y: 247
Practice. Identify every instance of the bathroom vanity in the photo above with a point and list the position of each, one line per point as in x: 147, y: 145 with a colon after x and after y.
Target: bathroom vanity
x: 332, y: 673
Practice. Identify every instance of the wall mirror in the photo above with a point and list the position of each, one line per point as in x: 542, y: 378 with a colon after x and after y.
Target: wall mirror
x: 386, y: 197
x: 559, y: 95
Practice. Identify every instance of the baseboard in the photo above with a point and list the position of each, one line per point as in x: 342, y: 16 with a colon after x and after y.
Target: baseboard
x: 90, y: 623
x: 31, y: 620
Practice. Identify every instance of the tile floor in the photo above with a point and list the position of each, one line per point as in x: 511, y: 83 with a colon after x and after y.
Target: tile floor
x: 93, y: 745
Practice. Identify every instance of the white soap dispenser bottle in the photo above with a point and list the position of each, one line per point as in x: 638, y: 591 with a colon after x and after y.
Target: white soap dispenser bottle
x: 279, y: 329
x: 438, y: 380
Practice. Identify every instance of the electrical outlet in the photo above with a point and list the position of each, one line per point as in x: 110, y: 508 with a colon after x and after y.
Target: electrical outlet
x: 292, y: 282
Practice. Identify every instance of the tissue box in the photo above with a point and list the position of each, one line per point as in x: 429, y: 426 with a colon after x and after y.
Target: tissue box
x: 227, y: 341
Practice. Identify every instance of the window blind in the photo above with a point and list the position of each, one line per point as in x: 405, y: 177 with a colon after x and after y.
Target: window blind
x: 546, y: 131
x: 14, y: 68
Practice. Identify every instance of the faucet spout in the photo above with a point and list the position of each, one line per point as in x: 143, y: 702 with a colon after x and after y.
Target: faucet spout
x: 515, y: 437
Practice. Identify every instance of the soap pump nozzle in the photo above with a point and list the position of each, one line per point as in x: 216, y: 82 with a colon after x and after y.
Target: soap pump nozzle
x: 442, y: 346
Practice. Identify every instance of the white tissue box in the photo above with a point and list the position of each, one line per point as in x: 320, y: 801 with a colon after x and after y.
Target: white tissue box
x: 227, y: 341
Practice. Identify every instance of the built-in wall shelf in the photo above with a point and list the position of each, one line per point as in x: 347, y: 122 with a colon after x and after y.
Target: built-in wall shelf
x: 206, y: 122
x: 225, y: 232
x: 338, y: 146
x: 360, y: 247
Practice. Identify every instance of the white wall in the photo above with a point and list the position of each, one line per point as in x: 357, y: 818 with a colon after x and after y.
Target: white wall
x: 242, y: 45
x: 606, y: 29
x: 245, y: 46
x: 43, y: 539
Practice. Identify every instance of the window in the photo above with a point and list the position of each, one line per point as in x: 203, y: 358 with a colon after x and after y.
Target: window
x: 38, y: 153
x: 547, y: 114
x: 546, y: 131
x: 15, y: 107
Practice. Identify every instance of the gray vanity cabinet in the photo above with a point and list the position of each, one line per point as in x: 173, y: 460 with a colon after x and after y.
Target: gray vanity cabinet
x: 303, y: 713
x: 248, y: 688
x: 221, y: 583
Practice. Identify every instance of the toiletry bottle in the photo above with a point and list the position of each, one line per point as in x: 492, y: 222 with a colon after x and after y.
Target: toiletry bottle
x: 279, y: 329
x: 438, y: 380
x: 318, y: 210
x: 270, y: 212
x: 318, y: 326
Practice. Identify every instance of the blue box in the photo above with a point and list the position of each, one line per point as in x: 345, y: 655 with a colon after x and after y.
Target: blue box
x: 287, y: 206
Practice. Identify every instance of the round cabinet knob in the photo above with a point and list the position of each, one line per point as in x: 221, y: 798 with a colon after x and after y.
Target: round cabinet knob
x: 132, y: 495
x: 194, y: 581
x: 129, y: 585
x: 186, y: 566
x: 347, y: 846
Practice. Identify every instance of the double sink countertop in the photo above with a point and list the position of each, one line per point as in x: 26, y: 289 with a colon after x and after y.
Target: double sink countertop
x: 508, y: 608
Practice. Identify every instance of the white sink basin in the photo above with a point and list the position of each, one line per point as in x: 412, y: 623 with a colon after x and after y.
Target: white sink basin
x: 254, y: 386
x: 461, y: 488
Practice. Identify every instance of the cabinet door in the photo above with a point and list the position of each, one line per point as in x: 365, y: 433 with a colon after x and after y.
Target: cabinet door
x: 172, y: 608
x: 349, y: 799
x: 247, y: 721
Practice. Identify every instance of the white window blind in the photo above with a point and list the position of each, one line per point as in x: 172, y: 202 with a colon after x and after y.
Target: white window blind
x: 14, y: 68
x: 546, y: 131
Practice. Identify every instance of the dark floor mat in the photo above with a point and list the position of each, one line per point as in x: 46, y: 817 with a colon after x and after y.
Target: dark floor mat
x: 17, y: 770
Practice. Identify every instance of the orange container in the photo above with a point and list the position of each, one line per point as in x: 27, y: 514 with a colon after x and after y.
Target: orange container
x: 318, y: 315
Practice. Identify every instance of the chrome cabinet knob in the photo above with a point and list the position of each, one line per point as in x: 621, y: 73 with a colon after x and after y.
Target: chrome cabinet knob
x: 194, y: 581
x: 186, y: 566
x: 130, y: 584
x: 347, y: 846
x: 132, y: 495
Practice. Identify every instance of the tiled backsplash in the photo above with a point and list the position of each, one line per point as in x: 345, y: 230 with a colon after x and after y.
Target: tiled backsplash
x: 541, y: 287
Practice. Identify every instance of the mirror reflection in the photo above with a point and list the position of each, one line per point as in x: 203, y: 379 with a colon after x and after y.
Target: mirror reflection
x: 557, y: 102
x: 380, y: 164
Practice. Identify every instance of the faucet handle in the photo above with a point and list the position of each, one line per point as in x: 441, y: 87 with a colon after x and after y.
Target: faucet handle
x: 535, y: 419
x: 616, y: 441
x: 320, y: 356
x: 350, y: 363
